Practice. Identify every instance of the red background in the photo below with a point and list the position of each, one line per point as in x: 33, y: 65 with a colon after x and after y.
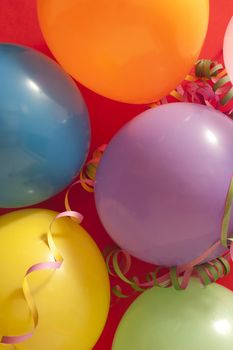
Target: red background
x: 19, y: 24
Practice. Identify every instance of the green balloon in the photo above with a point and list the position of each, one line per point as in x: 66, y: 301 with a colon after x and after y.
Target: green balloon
x: 164, y: 319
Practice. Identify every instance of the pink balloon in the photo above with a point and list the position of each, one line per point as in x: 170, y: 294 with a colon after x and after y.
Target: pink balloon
x: 162, y: 183
x: 228, y: 49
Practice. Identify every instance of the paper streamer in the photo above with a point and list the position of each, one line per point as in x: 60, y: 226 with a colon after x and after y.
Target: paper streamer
x: 208, y: 85
x: 48, y: 265
x: 87, y: 175
x: 176, y: 277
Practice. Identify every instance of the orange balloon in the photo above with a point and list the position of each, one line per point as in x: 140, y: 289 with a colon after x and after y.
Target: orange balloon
x: 134, y: 51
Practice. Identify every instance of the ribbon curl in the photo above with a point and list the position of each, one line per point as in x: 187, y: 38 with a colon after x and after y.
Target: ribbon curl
x: 208, y: 84
x: 87, y: 175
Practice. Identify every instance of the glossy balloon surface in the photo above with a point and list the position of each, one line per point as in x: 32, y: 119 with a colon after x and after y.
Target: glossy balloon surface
x: 161, y: 319
x: 162, y: 183
x: 44, y: 127
x: 72, y: 301
x: 133, y: 51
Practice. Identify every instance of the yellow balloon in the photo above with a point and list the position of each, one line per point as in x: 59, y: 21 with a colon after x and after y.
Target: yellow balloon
x: 72, y: 301
x: 133, y: 51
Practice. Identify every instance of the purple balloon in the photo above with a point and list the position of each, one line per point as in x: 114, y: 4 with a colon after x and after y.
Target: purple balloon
x: 162, y: 183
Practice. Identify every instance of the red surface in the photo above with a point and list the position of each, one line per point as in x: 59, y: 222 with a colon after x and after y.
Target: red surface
x: 18, y: 24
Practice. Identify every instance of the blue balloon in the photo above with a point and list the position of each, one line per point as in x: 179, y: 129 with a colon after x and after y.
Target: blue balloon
x: 44, y: 127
